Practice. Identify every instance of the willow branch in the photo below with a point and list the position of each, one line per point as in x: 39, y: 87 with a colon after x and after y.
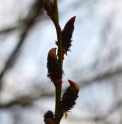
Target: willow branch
x: 58, y: 87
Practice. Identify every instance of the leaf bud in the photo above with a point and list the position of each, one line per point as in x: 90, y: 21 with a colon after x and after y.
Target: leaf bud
x: 48, y: 5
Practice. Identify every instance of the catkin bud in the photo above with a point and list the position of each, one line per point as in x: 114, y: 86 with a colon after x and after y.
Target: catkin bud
x: 67, y: 34
x: 54, y: 67
x: 48, y: 117
x: 68, y: 98
x: 68, y: 29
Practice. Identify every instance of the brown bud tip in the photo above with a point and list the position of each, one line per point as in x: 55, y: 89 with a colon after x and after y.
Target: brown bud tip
x: 74, y: 85
x: 49, y: 121
x: 52, y: 53
x: 72, y: 20
x: 70, y: 23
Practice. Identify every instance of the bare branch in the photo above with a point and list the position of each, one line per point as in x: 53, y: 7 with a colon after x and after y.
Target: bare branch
x: 7, y: 30
x: 100, y: 76
x: 29, y: 21
x: 27, y: 99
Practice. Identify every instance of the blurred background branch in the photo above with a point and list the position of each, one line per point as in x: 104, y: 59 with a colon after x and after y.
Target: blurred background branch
x: 35, y: 11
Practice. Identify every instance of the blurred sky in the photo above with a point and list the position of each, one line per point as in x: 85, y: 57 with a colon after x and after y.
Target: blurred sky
x: 94, y: 50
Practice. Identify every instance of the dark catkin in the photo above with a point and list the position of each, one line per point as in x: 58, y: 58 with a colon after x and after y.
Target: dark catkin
x: 67, y: 34
x: 48, y: 115
x: 54, y: 70
x: 68, y: 99
x: 54, y: 67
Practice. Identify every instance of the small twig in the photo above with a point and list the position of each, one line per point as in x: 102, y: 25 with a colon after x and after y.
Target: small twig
x: 7, y: 30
